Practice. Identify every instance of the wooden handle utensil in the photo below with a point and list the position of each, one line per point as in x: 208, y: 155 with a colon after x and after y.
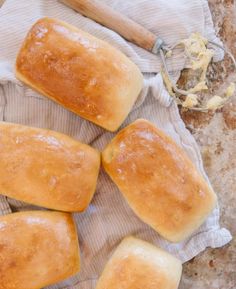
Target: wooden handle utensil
x: 114, y: 20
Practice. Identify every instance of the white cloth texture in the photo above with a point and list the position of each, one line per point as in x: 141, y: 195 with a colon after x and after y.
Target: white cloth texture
x: 109, y: 219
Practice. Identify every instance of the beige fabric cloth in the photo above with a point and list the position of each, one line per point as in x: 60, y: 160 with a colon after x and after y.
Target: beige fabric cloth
x: 108, y: 219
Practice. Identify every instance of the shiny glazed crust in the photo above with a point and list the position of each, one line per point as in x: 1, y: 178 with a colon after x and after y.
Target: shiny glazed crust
x: 158, y: 180
x: 37, y: 249
x: 84, y: 74
x: 46, y: 168
x: 137, y: 264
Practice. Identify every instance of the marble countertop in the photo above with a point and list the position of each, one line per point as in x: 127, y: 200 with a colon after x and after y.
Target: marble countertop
x: 216, y: 136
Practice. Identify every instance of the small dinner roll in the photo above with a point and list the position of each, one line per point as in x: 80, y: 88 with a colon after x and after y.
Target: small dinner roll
x: 138, y: 264
x: 82, y: 73
x: 37, y: 249
x: 158, y: 180
x: 46, y: 168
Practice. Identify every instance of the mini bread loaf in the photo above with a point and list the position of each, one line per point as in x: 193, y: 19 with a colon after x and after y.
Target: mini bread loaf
x: 84, y: 74
x: 37, y: 249
x: 46, y: 168
x: 158, y: 180
x: 138, y: 264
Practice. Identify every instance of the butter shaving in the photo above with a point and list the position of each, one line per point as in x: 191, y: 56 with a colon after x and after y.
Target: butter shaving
x: 215, y: 102
x: 198, y: 87
x: 200, y: 56
x: 190, y: 101
x: 169, y: 53
x: 195, y: 48
x: 230, y: 90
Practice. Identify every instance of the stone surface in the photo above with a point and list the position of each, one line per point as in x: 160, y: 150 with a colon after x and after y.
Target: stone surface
x: 216, y: 136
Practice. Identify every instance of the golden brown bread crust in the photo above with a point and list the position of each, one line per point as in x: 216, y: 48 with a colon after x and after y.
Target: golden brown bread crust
x: 139, y: 265
x: 37, y: 249
x: 84, y: 74
x: 158, y: 180
x: 46, y: 168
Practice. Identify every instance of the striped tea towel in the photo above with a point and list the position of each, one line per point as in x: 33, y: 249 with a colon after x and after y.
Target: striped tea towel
x: 109, y: 219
